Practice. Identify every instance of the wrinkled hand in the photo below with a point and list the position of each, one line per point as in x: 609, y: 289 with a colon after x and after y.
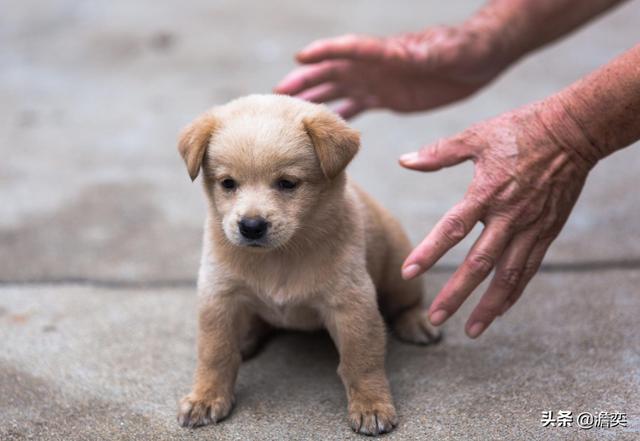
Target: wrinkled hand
x: 405, y: 73
x: 528, y: 176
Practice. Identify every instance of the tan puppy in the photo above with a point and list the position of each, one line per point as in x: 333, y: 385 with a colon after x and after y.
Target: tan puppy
x: 290, y: 242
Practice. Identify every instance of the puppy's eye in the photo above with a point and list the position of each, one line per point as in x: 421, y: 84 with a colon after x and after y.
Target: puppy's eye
x: 228, y: 184
x: 286, y: 184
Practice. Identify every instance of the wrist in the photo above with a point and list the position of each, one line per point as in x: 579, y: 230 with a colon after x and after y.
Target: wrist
x: 499, y: 33
x: 600, y: 113
x: 560, y: 120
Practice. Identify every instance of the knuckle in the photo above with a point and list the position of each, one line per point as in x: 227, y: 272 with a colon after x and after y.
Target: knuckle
x: 509, y: 278
x: 454, y: 228
x: 550, y: 221
x: 333, y: 71
x: 433, y: 150
x: 470, y: 138
x: 480, y: 264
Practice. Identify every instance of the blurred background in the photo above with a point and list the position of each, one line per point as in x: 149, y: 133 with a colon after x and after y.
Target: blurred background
x: 97, y: 211
x: 94, y: 94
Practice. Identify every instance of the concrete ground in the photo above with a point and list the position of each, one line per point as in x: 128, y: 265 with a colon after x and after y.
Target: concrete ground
x: 100, y: 232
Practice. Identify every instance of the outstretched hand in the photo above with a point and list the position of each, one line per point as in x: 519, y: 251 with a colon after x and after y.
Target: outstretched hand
x: 530, y: 164
x: 526, y: 182
x: 407, y: 72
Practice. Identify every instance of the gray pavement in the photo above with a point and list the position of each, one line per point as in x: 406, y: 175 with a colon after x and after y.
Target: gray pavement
x: 100, y: 233
x: 87, y: 363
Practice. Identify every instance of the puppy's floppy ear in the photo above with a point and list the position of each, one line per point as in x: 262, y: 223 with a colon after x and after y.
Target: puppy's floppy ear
x: 334, y: 141
x: 194, y: 139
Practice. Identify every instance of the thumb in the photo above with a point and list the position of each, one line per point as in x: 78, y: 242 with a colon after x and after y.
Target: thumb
x: 355, y: 47
x: 443, y: 153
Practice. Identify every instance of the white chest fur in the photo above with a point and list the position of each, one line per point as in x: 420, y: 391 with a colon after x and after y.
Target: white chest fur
x: 286, y: 303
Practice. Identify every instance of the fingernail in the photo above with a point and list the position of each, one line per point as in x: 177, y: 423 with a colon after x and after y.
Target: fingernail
x: 476, y: 329
x: 409, y: 158
x: 438, y: 317
x: 411, y: 271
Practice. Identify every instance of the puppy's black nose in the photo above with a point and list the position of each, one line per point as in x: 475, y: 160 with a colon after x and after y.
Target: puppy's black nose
x: 253, y: 227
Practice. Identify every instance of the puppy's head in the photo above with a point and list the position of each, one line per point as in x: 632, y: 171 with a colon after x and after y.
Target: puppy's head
x: 267, y: 162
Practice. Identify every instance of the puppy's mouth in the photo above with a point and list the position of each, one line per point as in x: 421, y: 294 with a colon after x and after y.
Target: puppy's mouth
x: 254, y: 244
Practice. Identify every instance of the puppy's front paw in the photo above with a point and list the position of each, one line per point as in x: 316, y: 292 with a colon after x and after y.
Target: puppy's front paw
x: 195, y: 412
x: 372, y: 418
x: 413, y: 326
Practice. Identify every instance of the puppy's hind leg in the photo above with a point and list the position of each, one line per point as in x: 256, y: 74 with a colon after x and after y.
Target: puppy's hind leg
x: 412, y: 326
x: 402, y: 301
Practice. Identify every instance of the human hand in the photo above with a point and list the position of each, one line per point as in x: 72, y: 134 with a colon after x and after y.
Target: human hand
x: 530, y: 166
x: 405, y: 73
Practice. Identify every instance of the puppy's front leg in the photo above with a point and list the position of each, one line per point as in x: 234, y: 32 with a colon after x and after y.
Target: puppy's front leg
x: 358, y: 330
x: 211, y: 399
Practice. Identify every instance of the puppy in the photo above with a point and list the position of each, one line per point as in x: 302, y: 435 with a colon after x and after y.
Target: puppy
x: 290, y: 242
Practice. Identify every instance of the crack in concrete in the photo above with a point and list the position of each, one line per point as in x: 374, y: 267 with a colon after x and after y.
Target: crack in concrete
x: 114, y: 283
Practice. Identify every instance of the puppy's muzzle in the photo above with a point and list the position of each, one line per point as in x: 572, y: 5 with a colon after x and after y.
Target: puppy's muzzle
x: 253, y: 228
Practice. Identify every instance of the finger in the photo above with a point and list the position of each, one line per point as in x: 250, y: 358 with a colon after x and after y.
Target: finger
x: 306, y: 77
x: 551, y: 226
x: 531, y: 268
x: 323, y: 93
x: 476, y: 267
x: 505, y: 282
x: 354, y: 47
x: 350, y: 108
x: 443, y: 153
x: 451, y: 229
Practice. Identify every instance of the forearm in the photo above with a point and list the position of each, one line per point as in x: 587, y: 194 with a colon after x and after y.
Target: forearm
x: 600, y: 113
x: 521, y: 26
